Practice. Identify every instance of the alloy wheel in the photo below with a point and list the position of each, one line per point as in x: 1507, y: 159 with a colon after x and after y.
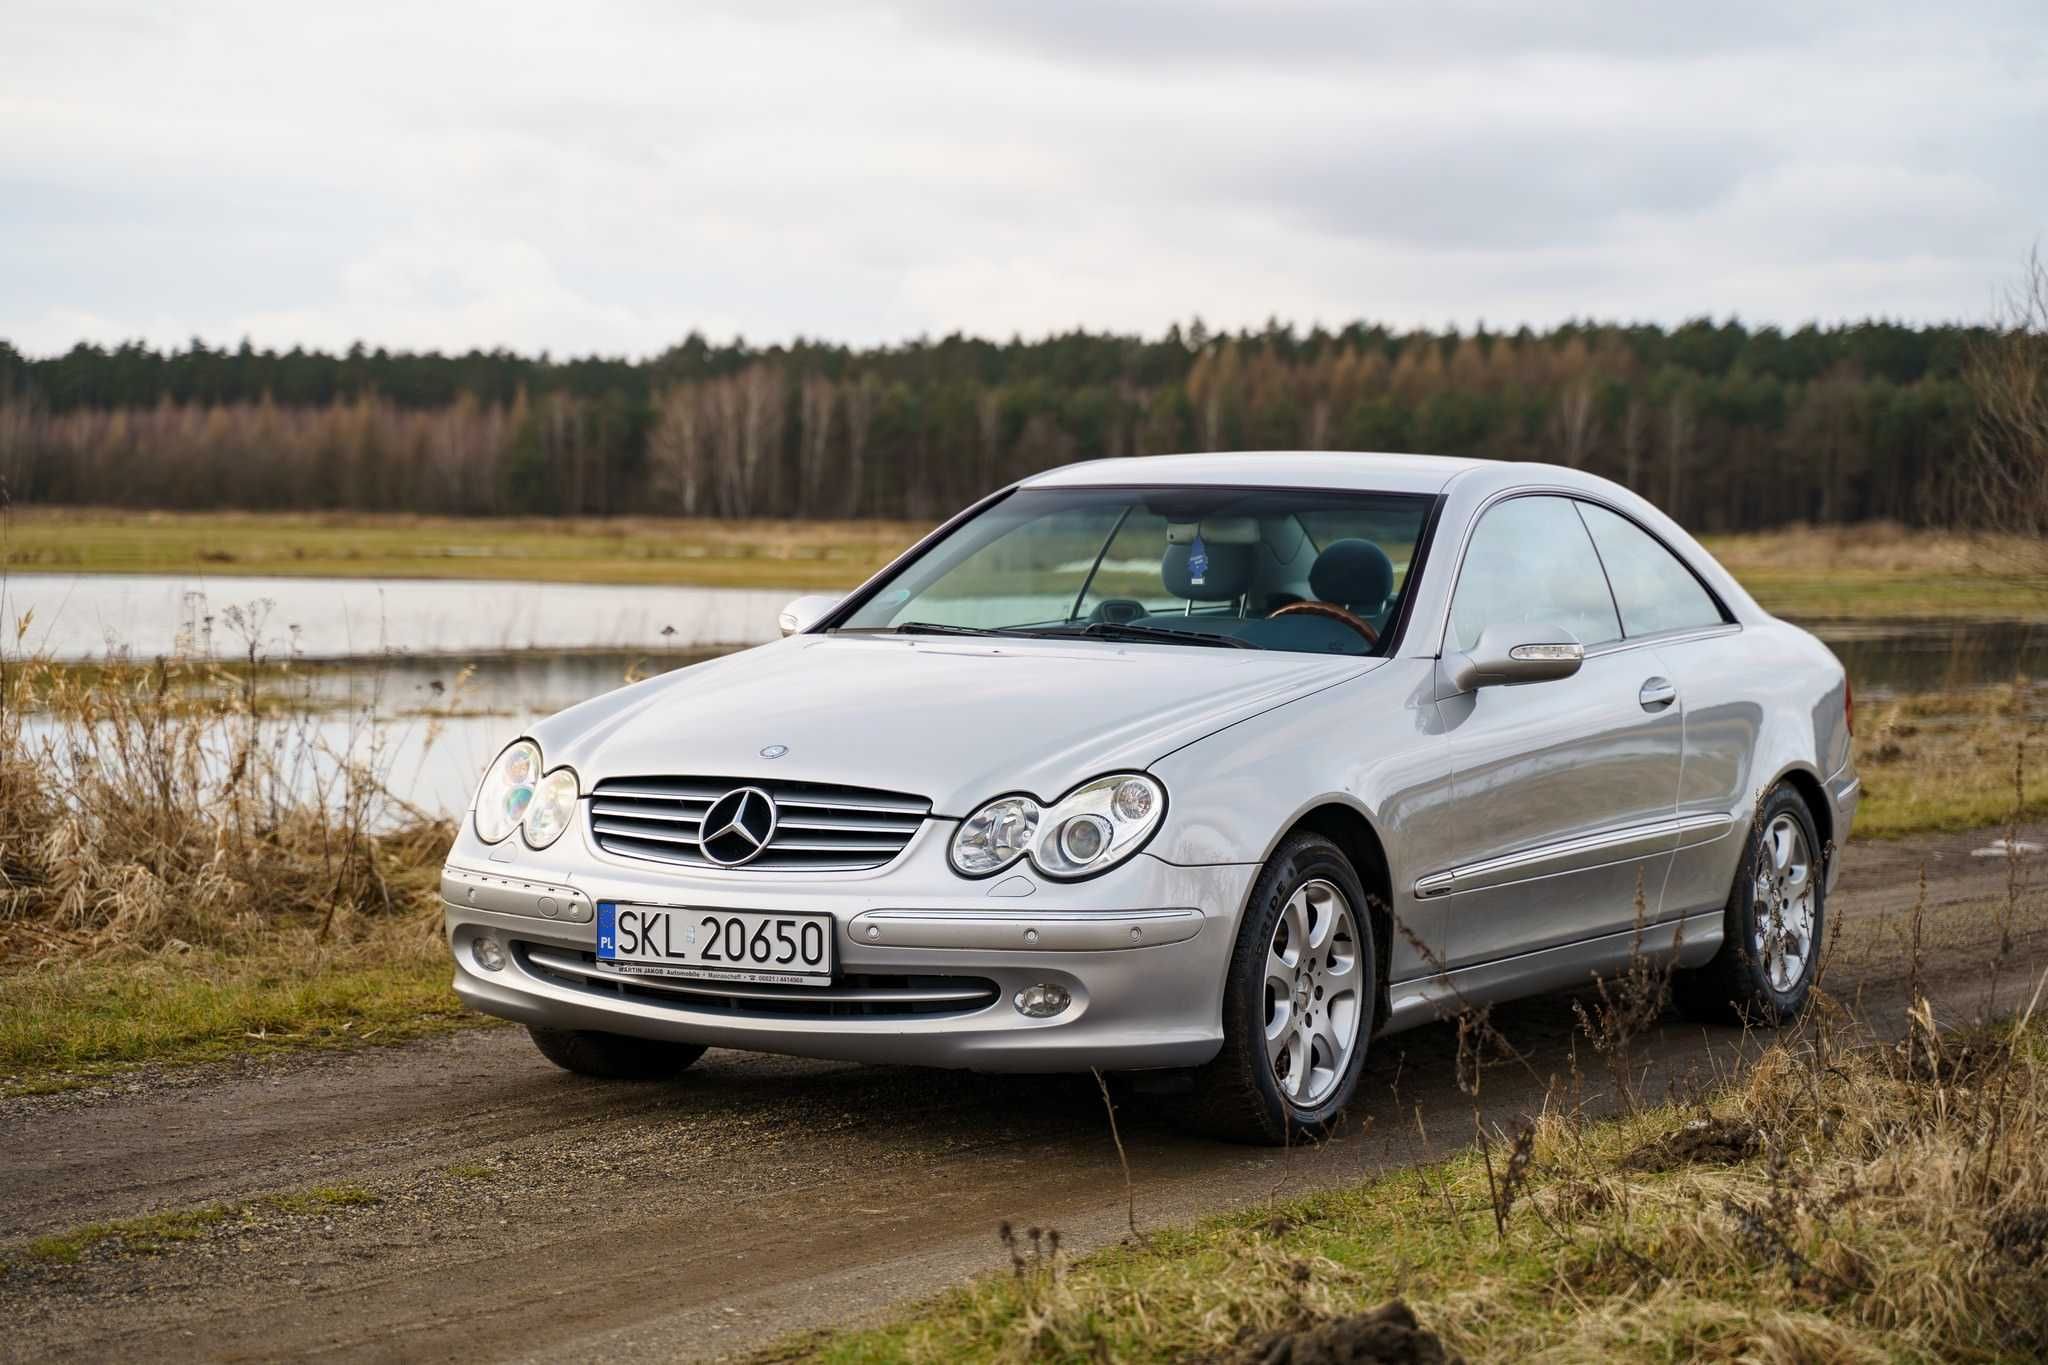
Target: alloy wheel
x: 1313, y: 1003
x: 1784, y: 903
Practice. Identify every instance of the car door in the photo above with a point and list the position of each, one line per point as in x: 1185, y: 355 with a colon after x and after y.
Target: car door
x: 1564, y: 791
x: 1664, y: 604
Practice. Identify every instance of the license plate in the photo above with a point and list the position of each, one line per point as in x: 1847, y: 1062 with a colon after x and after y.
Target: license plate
x: 717, y: 945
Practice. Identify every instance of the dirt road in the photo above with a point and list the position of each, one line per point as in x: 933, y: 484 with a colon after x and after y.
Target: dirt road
x: 523, y: 1214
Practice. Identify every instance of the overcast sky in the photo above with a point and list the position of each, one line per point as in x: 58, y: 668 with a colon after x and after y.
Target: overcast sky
x: 607, y: 177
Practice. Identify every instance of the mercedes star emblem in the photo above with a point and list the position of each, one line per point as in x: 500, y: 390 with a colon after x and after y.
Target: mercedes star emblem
x: 737, y: 826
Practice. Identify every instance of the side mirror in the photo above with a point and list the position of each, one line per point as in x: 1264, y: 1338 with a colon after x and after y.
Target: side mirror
x: 800, y: 614
x: 1515, y: 653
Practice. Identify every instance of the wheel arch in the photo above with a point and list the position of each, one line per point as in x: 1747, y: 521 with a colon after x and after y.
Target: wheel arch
x: 1348, y: 828
x: 1808, y: 784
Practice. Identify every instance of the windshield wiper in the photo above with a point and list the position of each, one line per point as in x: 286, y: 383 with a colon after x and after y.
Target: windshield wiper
x: 1115, y: 630
x: 934, y: 628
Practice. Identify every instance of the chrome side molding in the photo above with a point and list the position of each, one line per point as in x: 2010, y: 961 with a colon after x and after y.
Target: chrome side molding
x: 1608, y: 846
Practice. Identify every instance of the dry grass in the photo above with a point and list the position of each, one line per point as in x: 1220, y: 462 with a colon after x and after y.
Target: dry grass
x: 1883, y: 1203
x: 191, y: 865
x: 1884, y: 571
x: 759, y: 553
x: 148, y: 805
x: 1952, y: 760
x: 1869, y: 547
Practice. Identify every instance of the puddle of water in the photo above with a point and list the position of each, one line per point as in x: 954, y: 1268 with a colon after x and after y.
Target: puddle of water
x: 84, y: 616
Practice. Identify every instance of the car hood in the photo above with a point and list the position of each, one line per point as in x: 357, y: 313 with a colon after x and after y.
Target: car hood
x: 958, y: 720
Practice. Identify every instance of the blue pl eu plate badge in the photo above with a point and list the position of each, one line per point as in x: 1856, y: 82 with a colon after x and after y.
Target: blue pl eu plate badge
x: 1198, y: 561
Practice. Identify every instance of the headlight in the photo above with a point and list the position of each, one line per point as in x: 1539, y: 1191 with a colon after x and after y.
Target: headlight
x: 1089, y: 830
x: 516, y: 795
x: 553, y: 807
x: 507, y: 791
x: 995, y: 836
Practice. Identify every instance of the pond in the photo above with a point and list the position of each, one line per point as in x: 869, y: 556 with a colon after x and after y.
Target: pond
x: 436, y: 676
x: 84, y: 616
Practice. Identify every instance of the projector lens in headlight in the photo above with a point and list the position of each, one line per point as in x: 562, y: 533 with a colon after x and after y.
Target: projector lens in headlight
x: 1083, y: 838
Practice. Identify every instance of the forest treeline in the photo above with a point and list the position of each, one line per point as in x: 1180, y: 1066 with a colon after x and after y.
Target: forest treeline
x: 1726, y: 426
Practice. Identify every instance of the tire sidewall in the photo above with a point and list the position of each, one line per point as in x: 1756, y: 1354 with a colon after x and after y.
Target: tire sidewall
x: 1298, y: 861
x: 1782, y: 1005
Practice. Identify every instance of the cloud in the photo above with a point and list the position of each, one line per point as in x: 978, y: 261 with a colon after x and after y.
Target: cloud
x: 608, y: 178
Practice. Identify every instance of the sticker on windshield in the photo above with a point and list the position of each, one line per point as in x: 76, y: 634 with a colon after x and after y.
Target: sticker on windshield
x: 1198, y: 561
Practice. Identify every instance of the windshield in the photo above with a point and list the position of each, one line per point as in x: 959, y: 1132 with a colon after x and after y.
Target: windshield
x: 1288, y: 569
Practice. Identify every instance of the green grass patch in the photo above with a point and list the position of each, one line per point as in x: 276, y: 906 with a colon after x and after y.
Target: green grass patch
x: 66, y: 1027
x: 152, y: 1234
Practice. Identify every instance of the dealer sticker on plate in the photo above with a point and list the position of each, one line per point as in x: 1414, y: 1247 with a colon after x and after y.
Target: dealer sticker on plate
x: 716, y: 945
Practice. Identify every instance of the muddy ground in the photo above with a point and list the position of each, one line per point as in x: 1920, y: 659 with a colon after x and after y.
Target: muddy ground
x: 523, y: 1214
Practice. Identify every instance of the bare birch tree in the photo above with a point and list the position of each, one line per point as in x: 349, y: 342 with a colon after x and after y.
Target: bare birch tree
x: 816, y: 403
x: 860, y: 400
x: 1577, y: 426
x: 1678, y: 428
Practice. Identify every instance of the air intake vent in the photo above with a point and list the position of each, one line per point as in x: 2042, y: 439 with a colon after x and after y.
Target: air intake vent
x: 862, y: 996
x: 759, y: 826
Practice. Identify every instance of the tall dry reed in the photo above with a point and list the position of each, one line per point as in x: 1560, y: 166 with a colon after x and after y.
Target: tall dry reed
x: 194, y: 800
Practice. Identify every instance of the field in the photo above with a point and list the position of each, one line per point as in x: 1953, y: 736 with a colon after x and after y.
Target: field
x: 1876, y: 572
x: 782, y: 554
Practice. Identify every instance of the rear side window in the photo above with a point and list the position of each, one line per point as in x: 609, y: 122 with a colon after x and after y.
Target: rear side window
x: 1654, y: 589
x: 1530, y: 563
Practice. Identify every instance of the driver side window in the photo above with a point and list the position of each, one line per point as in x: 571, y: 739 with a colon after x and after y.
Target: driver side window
x: 1531, y: 561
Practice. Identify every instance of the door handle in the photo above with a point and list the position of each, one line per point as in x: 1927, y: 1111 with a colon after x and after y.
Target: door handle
x: 1657, y: 694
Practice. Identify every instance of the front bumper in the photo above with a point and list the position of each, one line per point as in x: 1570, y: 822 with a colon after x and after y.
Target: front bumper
x: 1142, y: 950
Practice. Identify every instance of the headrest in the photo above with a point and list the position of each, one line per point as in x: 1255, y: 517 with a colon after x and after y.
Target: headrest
x: 1202, y: 572
x: 1353, y: 573
x: 1215, y: 531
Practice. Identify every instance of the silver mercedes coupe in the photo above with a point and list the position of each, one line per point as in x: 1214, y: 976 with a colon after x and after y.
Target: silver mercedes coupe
x: 1216, y: 767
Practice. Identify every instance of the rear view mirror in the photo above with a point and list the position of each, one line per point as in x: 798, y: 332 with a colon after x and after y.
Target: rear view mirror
x: 1515, y: 653
x: 804, y: 612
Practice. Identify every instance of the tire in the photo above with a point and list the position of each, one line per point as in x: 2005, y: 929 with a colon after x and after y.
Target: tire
x: 1247, y: 1093
x: 613, y: 1056
x: 1764, y: 970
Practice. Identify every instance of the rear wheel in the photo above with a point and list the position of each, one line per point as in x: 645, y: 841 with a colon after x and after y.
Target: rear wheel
x: 1298, y: 1005
x: 613, y: 1056
x: 1770, y: 944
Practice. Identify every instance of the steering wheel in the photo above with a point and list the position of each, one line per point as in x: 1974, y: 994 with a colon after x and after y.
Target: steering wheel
x: 1334, y: 612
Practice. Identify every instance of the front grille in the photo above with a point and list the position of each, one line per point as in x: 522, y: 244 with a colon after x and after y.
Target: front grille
x: 818, y: 828
x: 865, y: 996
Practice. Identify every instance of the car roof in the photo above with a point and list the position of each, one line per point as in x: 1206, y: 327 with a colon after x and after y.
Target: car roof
x: 1268, y: 469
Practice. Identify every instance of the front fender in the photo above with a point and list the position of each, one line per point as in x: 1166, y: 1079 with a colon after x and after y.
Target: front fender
x: 1372, y: 746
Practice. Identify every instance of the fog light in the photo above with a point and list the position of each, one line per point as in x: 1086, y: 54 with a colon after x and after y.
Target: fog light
x: 488, y: 954
x: 1042, y: 1001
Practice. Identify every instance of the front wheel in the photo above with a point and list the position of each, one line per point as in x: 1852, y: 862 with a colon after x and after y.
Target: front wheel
x: 613, y: 1056
x: 1298, y: 1005
x: 1770, y: 945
